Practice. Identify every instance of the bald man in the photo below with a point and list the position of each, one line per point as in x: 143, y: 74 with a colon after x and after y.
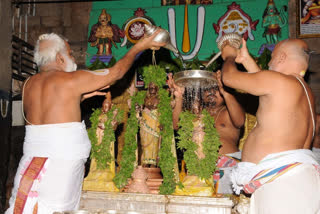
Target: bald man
x: 278, y: 167
x: 56, y: 146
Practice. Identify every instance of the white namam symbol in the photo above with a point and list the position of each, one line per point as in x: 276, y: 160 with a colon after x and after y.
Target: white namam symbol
x: 137, y: 30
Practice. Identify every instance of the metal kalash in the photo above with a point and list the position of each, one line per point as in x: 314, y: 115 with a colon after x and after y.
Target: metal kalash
x: 204, y: 78
x: 163, y: 36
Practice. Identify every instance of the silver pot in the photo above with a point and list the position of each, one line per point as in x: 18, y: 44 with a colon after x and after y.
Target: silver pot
x: 195, y: 79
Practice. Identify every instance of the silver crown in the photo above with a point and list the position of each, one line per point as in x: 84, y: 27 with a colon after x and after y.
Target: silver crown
x: 233, y: 39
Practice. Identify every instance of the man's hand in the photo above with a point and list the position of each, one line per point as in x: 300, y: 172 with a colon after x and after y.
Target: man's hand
x: 94, y: 93
x: 243, y: 54
x: 148, y: 43
x: 177, y: 91
x: 228, y: 51
x: 220, y: 84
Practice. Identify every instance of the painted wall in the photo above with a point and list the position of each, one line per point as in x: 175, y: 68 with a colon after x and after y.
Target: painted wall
x: 122, y: 10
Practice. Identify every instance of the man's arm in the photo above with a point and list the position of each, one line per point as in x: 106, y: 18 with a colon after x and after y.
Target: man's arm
x: 246, y: 60
x: 259, y: 83
x: 88, y: 81
x: 234, y: 109
x: 178, y: 98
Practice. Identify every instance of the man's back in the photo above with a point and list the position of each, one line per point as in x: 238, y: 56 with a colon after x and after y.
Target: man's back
x: 49, y: 98
x: 284, y: 120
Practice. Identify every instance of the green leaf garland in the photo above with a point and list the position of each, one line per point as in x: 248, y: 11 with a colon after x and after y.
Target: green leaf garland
x: 130, y: 145
x: 101, y: 152
x: 205, y: 167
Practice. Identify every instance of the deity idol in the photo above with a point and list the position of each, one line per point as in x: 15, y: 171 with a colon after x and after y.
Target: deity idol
x: 150, y: 128
x: 193, y: 184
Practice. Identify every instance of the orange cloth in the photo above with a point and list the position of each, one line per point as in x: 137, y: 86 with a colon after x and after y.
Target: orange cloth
x: 26, y: 183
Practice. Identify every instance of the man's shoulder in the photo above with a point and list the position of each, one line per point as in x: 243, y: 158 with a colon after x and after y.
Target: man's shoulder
x: 53, y: 78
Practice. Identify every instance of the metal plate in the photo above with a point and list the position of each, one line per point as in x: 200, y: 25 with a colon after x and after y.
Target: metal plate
x: 195, y: 78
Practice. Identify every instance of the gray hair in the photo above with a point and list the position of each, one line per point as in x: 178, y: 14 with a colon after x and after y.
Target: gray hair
x: 47, y: 54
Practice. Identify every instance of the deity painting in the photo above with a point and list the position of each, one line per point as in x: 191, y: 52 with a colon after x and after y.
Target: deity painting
x: 310, y: 12
x: 183, y: 2
x: 308, y: 22
x: 104, y: 35
x: 235, y: 20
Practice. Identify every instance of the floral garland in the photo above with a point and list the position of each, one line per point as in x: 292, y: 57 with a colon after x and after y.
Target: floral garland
x: 101, y: 152
x: 205, y: 167
x: 167, y: 159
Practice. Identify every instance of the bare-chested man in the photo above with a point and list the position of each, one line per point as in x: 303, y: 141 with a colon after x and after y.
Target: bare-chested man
x: 50, y: 173
x: 229, y: 118
x: 278, y: 168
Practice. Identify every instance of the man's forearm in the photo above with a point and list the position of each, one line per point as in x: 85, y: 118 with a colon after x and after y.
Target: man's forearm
x: 124, y: 64
x: 228, y: 70
x: 235, y: 110
x: 176, y: 112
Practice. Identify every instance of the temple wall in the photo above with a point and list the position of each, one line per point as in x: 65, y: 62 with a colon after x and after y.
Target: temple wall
x: 68, y: 19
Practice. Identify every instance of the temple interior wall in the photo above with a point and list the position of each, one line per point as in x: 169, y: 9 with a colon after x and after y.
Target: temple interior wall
x: 70, y: 20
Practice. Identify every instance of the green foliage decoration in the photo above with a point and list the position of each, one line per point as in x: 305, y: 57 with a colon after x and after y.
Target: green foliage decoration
x: 155, y: 74
x: 203, y: 168
x: 264, y: 59
x: 166, y: 158
x: 101, y: 152
x: 130, y: 145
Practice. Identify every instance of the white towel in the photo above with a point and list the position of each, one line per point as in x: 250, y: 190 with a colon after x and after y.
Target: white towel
x: 245, y: 171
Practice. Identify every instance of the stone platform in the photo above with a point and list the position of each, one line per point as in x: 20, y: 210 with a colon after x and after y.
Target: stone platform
x: 108, y: 202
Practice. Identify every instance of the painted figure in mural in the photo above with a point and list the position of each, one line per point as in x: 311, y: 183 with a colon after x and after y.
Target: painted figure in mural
x: 104, y: 34
x: 235, y: 20
x: 150, y: 128
x: 273, y: 21
x: 183, y: 2
x: 101, y: 179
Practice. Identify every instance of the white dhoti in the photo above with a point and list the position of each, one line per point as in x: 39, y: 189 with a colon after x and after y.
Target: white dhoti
x: 285, y: 182
x: 58, y: 185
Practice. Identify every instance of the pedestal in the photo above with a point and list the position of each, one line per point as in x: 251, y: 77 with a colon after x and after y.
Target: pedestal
x: 109, y: 202
x: 102, y: 58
